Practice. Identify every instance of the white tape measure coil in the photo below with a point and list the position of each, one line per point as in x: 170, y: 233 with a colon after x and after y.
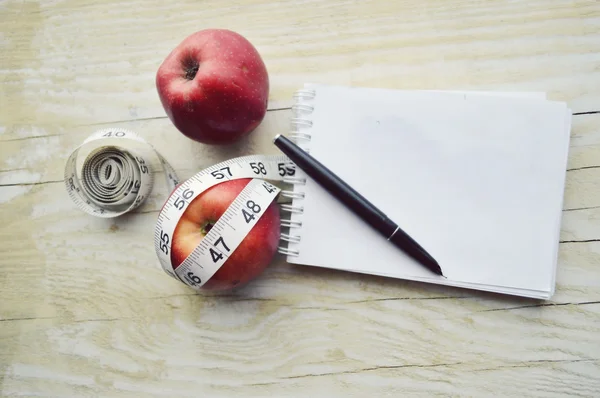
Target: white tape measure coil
x: 116, y: 175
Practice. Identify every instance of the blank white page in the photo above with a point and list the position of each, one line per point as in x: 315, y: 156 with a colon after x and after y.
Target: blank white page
x: 477, y: 180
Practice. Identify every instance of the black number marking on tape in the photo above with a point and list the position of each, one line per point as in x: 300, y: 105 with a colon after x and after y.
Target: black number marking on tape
x: 222, y: 242
x: 247, y: 216
x: 255, y: 207
x: 218, y: 175
x: 164, y: 242
x: 258, y: 168
x: 143, y: 167
x: 136, y: 187
x: 139, y: 200
x: 117, y: 134
x: 285, y: 170
x: 179, y: 203
x: 216, y: 256
x: 269, y: 187
x: 186, y: 194
x: 194, y: 278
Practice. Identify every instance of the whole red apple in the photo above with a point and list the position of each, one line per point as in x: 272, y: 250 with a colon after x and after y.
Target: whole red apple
x: 214, y: 86
x: 253, y: 254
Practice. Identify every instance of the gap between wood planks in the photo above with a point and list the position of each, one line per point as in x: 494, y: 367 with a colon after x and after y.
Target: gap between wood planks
x: 521, y: 364
x: 185, y: 170
x: 160, y: 118
x: 165, y: 117
x: 303, y: 308
x: 540, y: 305
x: 142, y: 119
x: 157, y: 172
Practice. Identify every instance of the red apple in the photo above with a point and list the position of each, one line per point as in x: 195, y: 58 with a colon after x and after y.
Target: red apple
x: 249, y: 259
x: 214, y: 86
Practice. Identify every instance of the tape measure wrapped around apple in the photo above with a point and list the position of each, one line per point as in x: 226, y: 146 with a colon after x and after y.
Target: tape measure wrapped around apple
x: 217, y: 230
x: 221, y: 228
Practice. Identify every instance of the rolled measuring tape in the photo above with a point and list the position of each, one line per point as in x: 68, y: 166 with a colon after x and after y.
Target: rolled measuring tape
x: 116, y: 174
x: 116, y: 177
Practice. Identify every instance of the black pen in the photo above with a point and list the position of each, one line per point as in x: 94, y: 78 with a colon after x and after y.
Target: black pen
x: 356, y: 202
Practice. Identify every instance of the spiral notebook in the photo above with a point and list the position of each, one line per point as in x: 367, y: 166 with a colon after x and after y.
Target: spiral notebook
x: 476, y: 178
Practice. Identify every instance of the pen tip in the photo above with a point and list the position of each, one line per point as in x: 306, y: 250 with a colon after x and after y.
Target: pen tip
x: 432, y: 264
x: 277, y: 136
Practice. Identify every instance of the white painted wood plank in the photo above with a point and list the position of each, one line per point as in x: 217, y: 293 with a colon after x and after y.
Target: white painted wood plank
x: 83, y: 62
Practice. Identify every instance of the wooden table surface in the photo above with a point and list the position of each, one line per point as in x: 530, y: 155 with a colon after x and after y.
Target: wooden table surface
x: 84, y: 309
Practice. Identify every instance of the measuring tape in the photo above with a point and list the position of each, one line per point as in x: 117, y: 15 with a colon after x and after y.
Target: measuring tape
x: 117, y: 176
x: 231, y: 228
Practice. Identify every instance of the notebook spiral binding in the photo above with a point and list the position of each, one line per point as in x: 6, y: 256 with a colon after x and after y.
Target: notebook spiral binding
x: 300, y: 124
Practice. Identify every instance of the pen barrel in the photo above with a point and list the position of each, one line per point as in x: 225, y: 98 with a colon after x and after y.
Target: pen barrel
x: 354, y: 201
x: 338, y: 188
x: 361, y: 207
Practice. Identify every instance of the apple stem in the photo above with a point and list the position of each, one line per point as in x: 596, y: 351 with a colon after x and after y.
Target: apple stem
x: 191, y: 70
x: 207, y: 227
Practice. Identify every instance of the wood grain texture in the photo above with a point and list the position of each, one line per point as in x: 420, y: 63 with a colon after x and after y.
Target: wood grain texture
x: 84, y: 308
x: 86, y: 62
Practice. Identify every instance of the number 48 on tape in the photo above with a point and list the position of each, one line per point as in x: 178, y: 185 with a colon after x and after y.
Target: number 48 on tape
x: 232, y: 227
